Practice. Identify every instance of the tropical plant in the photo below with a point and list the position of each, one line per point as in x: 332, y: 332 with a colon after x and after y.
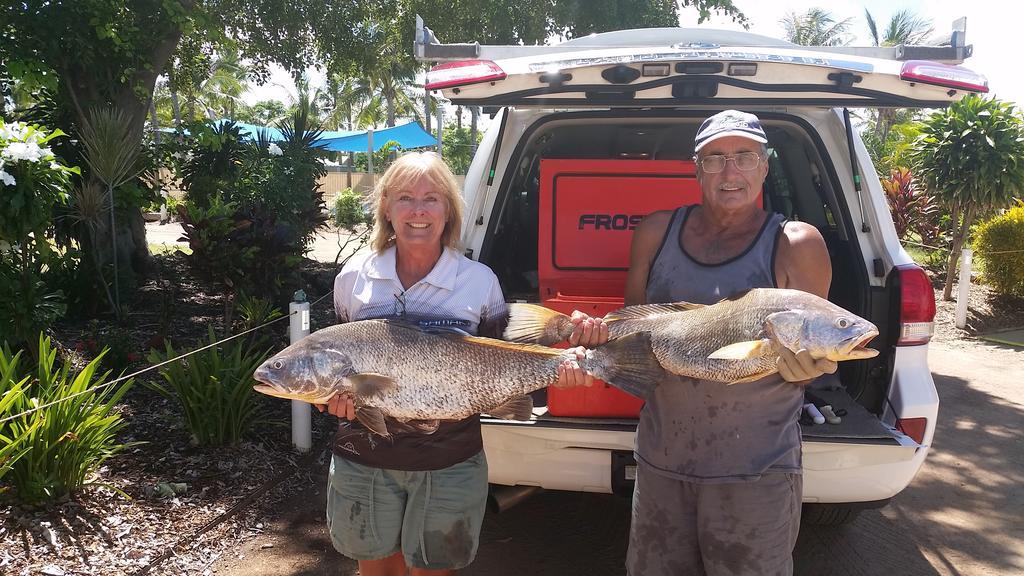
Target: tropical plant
x: 459, y: 148
x: 905, y: 27
x: 12, y: 392
x: 213, y: 388
x: 816, y: 27
x: 913, y: 209
x: 999, y: 243
x: 971, y: 156
x: 69, y: 421
x: 112, y: 153
x: 33, y: 183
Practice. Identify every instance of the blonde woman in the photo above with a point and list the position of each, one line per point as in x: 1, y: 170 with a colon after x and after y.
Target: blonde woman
x: 414, y: 504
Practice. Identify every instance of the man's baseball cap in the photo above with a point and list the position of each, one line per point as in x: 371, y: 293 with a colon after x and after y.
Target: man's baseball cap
x: 729, y: 123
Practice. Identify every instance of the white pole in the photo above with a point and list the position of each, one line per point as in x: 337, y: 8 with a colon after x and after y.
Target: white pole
x: 440, y: 126
x: 302, y: 435
x: 964, y: 292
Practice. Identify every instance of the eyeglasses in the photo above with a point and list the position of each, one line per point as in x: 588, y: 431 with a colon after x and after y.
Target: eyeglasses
x: 715, y: 163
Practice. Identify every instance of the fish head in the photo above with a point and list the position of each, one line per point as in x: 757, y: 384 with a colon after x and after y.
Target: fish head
x: 307, y: 373
x: 824, y: 331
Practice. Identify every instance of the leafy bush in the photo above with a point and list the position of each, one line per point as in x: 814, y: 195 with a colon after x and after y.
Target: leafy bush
x: 12, y: 392
x: 115, y: 342
x: 350, y: 210
x: 213, y: 389
x: 67, y: 440
x: 33, y: 182
x: 999, y: 242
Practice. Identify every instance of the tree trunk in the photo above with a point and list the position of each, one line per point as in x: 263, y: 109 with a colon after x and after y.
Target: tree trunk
x: 175, y: 107
x: 954, y: 253
x: 458, y: 117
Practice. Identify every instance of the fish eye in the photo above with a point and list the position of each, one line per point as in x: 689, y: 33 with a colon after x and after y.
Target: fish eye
x: 277, y: 365
x: 842, y: 322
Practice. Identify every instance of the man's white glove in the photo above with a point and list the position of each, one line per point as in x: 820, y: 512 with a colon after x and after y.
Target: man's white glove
x: 800, y: 368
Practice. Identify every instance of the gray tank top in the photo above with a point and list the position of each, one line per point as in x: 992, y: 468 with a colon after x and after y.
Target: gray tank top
x: 708, y: 432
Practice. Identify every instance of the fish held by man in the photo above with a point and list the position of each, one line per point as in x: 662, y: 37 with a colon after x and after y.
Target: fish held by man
x: 404, y: 379
x: 735, y: 340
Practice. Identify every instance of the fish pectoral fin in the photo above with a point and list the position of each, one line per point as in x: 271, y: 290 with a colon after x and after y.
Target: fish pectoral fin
x: 370, y: 383
x: 373, y: 419
x: 752, y: 377
x: 519, y: 408
x: 742, y: 350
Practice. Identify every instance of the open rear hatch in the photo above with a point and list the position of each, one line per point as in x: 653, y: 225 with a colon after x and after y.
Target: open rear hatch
x: 687, y: 72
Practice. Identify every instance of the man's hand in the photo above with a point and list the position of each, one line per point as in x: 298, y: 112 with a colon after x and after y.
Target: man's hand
x: 800, y: 368
x: 588, y: 332
x: 571, y: 375
x: 339, y: 405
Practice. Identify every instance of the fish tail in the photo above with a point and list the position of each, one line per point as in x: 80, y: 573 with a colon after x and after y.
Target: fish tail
x: 537, y: 324
x: 628, y: 363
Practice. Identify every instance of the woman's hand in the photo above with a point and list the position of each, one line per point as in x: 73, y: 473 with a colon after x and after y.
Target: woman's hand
x: 800, y: 368
x: 339, y: 405
x: 588, y: 332
x: 571, y: 375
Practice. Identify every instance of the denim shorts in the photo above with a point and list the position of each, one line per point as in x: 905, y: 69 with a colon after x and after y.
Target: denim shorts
x: 433, y: 517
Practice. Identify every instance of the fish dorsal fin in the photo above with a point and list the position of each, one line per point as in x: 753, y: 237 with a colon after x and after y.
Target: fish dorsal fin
x: 743, y: 350
x: 502, y: 344
x: 642, y: 311
x: 370, y: 383
x: 373, y: 419
x: 518, y: 408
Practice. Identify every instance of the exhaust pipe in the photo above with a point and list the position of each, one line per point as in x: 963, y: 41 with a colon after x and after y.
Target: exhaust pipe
x: 501, y: 498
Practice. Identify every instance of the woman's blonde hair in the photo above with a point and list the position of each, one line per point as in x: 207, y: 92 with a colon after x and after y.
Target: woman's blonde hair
x: 409, y: 168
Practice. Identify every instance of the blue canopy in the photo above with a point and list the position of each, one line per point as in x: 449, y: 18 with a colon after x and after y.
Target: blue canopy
x: 250, y: 131
x: 408, y: 135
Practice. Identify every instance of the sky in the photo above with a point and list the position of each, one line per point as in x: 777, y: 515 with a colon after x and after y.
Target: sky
x: 989, y: 29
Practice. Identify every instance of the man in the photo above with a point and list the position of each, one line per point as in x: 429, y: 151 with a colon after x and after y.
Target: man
x: 718, y: 488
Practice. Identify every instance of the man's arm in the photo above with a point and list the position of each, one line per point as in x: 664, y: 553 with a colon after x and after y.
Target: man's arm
x: 646, y: 241
x: 802, y: 263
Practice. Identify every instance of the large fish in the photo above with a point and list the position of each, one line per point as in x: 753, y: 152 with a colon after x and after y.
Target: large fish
x: 735, y: 340
x: 404, y: 379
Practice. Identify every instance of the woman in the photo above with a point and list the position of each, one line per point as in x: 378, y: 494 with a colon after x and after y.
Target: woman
x: 413, y: 504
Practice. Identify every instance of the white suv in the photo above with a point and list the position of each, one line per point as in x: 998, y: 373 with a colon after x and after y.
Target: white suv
x: 583, y: 131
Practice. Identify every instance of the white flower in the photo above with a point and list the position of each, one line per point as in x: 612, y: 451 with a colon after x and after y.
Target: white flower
x: 13, y: 131
x: 7, y: 178
x: 274, y: 149
x: 25, y: 151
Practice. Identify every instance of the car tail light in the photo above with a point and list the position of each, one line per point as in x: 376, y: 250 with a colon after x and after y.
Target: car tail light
x: 944, y: 75
x: 913, y: 427
x: 917, y: 306
x: 462, y: 73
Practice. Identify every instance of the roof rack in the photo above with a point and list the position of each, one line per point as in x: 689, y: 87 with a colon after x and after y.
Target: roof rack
x: 427, y: 48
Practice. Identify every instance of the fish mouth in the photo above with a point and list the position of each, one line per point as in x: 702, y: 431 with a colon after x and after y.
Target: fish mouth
x: 855, y: 348
x: 281, y: 392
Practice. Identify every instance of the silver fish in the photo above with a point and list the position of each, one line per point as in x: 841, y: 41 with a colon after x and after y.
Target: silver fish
x: 404, y: 379
x: 735, y: 340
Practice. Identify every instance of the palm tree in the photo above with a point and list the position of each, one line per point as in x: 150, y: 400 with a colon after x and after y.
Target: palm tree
x: 905, y: 27
x: 222, y: 89
x: 816, y: 27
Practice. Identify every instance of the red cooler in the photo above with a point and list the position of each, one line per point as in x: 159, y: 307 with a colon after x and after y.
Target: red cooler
x: 588, y: 211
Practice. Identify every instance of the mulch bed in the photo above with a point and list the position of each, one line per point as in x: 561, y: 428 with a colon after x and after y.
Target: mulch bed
x: 98, y: 531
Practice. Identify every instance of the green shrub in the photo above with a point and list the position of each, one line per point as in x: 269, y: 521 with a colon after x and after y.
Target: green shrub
x: 213, y: 389
x: 12, y: 392
x: 999, y: 243
x: 350, y: 209
x: 67, y: 440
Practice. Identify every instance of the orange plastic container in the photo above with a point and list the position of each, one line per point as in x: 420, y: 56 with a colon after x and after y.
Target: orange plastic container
x: 588, y: 211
